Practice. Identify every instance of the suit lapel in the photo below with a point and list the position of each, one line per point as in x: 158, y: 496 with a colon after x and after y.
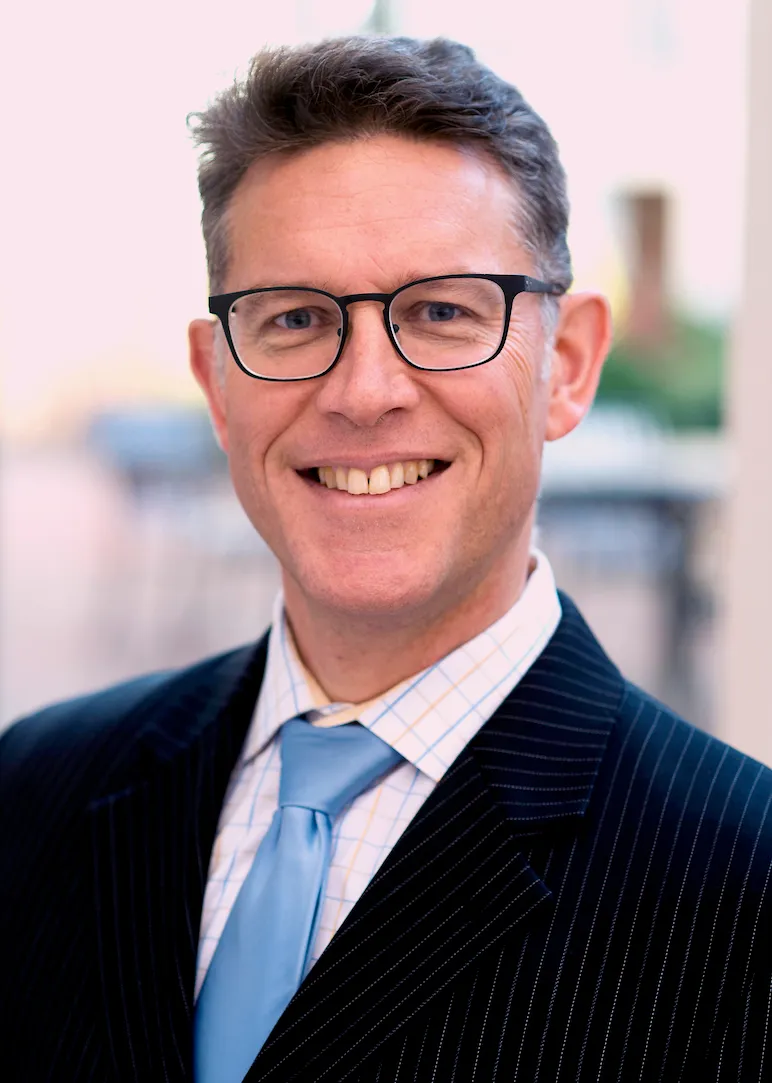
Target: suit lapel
x: 457, y: 883
x: 151, y: 844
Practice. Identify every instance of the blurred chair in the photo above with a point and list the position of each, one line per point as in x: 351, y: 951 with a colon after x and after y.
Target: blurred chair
x: 622, y: 514
x: 185, y: 533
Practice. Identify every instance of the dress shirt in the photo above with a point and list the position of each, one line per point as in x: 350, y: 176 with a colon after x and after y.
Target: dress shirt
x: 428, y: 718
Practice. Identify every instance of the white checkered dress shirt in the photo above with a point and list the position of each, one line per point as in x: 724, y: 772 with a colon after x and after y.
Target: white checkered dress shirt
x: 428, y: 719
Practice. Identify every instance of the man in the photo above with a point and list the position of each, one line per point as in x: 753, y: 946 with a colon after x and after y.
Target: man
x: 424, y: 829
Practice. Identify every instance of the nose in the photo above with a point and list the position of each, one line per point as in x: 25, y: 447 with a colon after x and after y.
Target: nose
x: 369, y: 380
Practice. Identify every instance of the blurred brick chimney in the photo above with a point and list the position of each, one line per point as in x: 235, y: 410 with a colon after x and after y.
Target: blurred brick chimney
x: 646, y: 216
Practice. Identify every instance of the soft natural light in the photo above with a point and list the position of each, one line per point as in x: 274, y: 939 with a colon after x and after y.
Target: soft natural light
x: 102, y: 259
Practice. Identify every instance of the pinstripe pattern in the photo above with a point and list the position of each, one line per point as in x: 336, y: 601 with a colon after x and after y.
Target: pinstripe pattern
x: 428, y: 719
x: 585, y: 895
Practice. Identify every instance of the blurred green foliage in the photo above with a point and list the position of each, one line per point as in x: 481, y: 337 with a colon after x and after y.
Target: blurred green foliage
x: 681, y: 382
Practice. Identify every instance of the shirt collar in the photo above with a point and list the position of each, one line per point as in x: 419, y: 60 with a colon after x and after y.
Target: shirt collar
x: 430, y: 717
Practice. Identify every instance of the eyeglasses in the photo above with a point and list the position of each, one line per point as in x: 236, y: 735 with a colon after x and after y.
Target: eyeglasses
x: 436, y: 324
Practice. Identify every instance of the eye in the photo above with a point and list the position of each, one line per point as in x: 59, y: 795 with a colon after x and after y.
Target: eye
x: 297, y: 319
x: 441, y: 311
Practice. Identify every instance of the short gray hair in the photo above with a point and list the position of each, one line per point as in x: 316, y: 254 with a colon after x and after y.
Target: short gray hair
x: 296, y: 98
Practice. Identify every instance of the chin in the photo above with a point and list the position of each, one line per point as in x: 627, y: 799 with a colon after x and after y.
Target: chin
x: 371, y: 587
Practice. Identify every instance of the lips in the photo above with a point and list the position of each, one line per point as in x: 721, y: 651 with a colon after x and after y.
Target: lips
x: 378, y: 480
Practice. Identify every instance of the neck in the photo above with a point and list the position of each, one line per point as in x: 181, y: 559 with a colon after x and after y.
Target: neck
x: 356, y: 657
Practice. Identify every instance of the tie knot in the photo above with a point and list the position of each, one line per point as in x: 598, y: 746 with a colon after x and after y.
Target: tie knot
x: 326, y: 768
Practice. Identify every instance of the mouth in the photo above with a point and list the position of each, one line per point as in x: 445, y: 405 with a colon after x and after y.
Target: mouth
x: 376, y: 482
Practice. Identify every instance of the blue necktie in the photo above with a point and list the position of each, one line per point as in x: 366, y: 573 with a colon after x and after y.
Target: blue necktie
x: 262, y: 954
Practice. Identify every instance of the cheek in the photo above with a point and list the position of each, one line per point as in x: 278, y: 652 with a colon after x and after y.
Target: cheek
x: 512, y: 403
x: 522, y: 362
x: 509, y: 422
x: 245, y: 463
x: 253, y: 426
x: 257, y: 414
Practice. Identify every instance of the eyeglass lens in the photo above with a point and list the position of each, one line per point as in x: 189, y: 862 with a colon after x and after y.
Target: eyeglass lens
x: 438, y: 324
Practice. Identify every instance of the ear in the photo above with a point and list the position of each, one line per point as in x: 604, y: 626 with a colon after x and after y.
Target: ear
x: 582, y: 340
x: 207, y: 370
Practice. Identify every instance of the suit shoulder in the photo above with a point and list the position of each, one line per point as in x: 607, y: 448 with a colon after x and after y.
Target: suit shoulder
x: 702, y: 782
x: 82, y: 731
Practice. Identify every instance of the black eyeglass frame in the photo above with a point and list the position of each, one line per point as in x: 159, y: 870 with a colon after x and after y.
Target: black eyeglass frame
x: 511, y: 286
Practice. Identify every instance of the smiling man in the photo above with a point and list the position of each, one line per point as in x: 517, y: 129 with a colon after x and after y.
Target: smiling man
x: 391, y: 471
x: 424, y: 829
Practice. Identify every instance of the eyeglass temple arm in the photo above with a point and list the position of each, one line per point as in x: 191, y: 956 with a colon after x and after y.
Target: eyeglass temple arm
x: 535, y: 285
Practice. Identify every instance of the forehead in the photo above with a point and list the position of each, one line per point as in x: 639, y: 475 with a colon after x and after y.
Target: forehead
x: 379, y: 210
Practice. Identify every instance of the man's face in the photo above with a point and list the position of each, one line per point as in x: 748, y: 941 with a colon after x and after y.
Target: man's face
x: 361, y: 217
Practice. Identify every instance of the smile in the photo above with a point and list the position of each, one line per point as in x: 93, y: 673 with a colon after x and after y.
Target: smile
x: 379, y: 480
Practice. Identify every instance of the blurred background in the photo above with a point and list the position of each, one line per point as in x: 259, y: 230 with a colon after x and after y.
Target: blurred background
x: 121, y: 546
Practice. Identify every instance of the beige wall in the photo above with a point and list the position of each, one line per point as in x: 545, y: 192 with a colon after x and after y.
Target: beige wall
x: 746, y: 719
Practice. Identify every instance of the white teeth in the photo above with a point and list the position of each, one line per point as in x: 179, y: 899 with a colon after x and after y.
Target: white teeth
x: 411, y: 473
x: 357, y: 482
x: 397, y: 476
x: 381, y: 480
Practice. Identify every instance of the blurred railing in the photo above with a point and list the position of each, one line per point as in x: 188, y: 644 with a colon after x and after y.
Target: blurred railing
x: 130, y: 552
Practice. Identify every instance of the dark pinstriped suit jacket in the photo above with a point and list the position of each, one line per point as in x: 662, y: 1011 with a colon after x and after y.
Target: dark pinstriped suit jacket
x: 585, y: 895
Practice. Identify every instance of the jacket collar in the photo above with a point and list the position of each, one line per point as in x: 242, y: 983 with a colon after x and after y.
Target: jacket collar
x: 455, y: 886
x: 458, y: 884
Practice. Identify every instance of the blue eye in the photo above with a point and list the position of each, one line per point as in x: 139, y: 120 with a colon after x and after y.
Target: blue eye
x: 441, y: 311
x: 299, y: 319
